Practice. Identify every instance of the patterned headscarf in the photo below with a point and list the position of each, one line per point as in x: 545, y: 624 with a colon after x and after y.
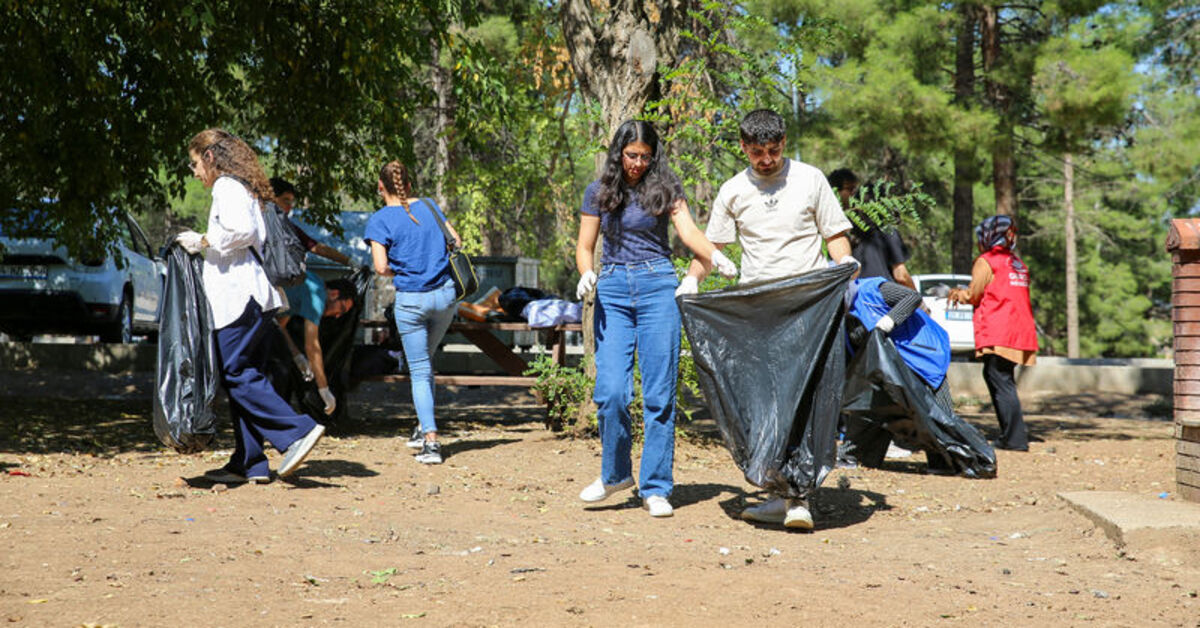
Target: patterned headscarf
x: 993, y: 232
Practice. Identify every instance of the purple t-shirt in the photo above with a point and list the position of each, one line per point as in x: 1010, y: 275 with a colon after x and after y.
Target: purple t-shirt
x: 641, y: 236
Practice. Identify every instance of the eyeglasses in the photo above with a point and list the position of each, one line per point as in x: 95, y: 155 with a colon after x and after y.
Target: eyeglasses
x: 639, y: 157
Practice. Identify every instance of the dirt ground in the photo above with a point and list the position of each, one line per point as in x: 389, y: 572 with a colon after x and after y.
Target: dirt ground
x: 100, y: 525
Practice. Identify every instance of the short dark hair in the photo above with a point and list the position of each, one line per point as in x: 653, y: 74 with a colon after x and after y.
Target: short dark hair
x: 345, y: 288
x: 840, y: 177
x: 762, y: 126
x: 282, y: 186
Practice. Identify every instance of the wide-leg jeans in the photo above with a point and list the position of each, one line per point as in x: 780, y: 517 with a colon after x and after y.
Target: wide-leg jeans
x: 258, y: 412
x: 636, y: 313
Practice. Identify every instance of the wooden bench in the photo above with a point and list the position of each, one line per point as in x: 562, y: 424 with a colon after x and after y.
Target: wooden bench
x: 482, y: 336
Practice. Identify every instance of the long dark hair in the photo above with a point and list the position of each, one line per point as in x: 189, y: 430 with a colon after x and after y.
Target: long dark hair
x: 658, y: 188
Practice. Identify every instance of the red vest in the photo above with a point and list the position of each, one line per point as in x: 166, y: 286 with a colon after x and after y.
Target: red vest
x: 1004, y: 316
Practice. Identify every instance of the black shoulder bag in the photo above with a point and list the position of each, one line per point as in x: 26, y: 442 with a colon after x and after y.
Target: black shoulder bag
x: 461, y: 270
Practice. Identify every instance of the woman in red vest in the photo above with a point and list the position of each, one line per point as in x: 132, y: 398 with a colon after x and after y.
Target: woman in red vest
x: 1005, y: 334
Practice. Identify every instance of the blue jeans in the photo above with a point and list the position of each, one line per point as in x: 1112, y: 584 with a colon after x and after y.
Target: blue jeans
x: 636, y: 311
x: 421, y: 321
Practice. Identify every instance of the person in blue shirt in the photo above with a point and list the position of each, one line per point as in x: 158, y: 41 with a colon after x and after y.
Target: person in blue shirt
x: 635, y: 199
x: 408, y: 245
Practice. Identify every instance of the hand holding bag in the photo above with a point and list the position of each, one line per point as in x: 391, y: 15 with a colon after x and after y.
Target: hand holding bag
x: 461, y: 270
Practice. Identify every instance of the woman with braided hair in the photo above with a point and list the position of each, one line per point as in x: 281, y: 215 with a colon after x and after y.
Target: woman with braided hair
x: 242, y: 301
x: 407, y: 245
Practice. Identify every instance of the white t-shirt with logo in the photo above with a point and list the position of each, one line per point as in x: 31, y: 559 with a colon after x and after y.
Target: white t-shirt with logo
x: 780, y: 220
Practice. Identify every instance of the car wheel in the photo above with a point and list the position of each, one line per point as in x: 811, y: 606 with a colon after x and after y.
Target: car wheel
x: 121, y: 331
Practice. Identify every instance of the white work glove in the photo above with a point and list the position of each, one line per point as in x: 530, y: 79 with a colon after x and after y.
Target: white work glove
x: 885, y: 324
x: 586, y: 283
x: 328, y: 398
x: 849, y: 259
x: 689, y: 285
x: 724, y: 266
x: 302, y: 364
x: 190, y: 241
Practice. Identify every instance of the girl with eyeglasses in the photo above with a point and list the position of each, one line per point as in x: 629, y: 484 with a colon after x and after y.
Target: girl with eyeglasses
x: 635, y: 199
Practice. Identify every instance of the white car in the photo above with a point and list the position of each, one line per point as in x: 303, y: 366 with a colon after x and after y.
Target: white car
x: 43, y: 290
x: 955, y: 319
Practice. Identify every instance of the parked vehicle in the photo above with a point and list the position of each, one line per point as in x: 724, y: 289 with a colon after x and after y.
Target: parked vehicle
x: 955, y: 319
x: 44, y: 290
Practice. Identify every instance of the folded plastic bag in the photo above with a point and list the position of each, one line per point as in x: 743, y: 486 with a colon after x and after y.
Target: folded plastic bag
x: 551, y: 312
x: 770, y: 360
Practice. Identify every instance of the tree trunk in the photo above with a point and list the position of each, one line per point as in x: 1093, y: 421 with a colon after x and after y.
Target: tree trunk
x: 1004, y: 169
x: 966, y: 170
x: 441, y: 127
x: 1071, y: 261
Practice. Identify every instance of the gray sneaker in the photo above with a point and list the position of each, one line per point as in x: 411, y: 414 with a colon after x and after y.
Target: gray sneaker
x: 431, y: 453
x: 299, y: 450
x: 417, y: 440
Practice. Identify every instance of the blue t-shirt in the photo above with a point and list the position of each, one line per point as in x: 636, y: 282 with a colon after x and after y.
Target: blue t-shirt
x: 641, y: 237
x: 307, y: 299
x: 416, y: 251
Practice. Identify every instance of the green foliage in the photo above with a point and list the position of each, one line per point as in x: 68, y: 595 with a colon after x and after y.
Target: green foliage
x: 565, y: 390
x: 887, y: 207
x: 101, y: 96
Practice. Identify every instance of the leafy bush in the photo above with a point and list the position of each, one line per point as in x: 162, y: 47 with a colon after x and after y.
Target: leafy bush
x: 565, y: 390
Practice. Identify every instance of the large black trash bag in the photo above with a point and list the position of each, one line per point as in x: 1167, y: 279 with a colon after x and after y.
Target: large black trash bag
x: 187, y: 378
x: 770, y: 359
x: 883, y: 397
x: 337, y: 345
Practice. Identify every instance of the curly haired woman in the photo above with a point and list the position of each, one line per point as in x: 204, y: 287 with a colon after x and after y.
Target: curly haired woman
x: 242, y: 301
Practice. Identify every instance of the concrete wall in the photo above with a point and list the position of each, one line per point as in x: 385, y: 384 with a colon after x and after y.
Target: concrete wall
x: 1062, y: 375
x: 1139, y: 376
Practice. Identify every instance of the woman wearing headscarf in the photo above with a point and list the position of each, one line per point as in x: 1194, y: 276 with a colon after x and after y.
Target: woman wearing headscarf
x: 1005, y: 334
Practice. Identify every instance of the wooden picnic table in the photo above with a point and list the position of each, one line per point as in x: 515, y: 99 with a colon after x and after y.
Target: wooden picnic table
x: 482, y: 335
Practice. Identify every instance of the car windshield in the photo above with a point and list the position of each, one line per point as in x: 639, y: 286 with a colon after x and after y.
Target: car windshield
x: 941, y: 287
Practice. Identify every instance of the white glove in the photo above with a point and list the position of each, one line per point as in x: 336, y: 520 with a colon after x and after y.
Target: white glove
x: 190, y: 241
x: 849, y: 259
x: 885, y: 324
x: 328, y: 398
x: 586, y: 283
x: 302, y: 364
x: 689, y: 285
x: 724, y: 266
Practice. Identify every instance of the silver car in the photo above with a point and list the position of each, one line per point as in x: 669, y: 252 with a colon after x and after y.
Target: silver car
x: 43, y: 290
x: 955, y: 319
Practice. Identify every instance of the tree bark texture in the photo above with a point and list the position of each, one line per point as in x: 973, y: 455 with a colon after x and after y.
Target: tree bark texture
x: 616, y: 47
x: 1072, y: 268
x: 1004, y: 169
x: 966, y: 168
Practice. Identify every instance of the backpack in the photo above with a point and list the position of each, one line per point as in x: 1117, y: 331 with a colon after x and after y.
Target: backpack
x: 282, y: 251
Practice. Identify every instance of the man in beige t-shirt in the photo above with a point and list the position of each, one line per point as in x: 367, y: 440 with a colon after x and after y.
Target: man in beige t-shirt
x: 781, y: 211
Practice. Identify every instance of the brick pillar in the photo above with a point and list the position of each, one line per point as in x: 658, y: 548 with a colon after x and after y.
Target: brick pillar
x: 1183, y: 242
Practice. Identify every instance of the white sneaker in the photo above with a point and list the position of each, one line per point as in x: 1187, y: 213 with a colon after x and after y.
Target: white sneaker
x: 598, y: 491
x: 417, y: 439
x: 658, y: 506
x: 773, y: 510
x: 894, y: 451
x: 798, y: 515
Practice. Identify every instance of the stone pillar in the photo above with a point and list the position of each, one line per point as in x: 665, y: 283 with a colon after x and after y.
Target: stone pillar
x: 1183, y: 242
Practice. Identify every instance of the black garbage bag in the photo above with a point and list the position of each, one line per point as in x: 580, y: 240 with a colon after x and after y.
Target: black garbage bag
x: 187, y: 377
x: 886, y: 400
x: 514, y: 300
x: 337, y: 345
x: 770, y: 358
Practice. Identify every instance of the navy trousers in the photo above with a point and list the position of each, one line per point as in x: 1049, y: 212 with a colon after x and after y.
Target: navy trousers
x: 258, y: 412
